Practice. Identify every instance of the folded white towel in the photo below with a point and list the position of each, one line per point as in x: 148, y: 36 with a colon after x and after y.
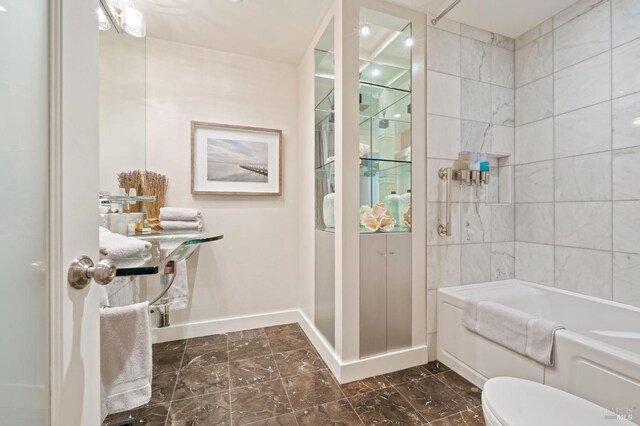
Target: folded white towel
x: 179, y: 291
x: 181, y: 225
x: 116, y: 246
x: 177, y: 213
x: 125, y: 351
x: 517, y: 330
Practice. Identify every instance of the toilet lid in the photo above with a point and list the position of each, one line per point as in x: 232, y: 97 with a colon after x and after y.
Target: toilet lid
x: 518, y: 402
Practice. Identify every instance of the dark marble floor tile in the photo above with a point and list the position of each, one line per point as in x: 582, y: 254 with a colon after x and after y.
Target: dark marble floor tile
x: 298, y: 361
x: 213, y: 340
x: 253, y: 370
x: 385, y: 406
x: 432, y: 399
x: 255, y: 333
x: 201, y: 381
x: 243, y: 349
x: 406, y: 375
x: 435, y: 367
x: 289, y: 342
x: 284, y: 420
x: 331, y: 413
x: 167, y: 362
x: 279, y: 330
x: 162, y: 388
x: 155, y: 415
x: 310, y: 389
x: 473, y: 417
x: 462, y: 386
x: 259, y: 402
x: 204, y: 356
x: 174, y: 345
x: 206, y: 410
x: 363, y: 386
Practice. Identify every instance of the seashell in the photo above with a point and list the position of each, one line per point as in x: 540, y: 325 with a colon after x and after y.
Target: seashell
x: 378, y: 218
x: 407, y: 216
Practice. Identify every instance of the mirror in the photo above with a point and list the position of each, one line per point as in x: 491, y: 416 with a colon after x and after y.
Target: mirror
x: 122, y: 105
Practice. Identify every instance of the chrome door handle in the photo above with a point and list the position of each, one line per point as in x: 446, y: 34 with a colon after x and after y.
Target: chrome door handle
x: 82, y: 271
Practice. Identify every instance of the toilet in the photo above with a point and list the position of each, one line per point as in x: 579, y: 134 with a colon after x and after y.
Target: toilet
x: 508, y: 401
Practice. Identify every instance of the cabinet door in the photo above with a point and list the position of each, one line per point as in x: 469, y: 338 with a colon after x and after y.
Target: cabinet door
x: 373, y: 294
x: 325, y: 289
x: 398, y: 291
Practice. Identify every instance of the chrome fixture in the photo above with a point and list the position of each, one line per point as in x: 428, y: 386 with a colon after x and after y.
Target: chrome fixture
x: 82, y: 270
x: 468, y: 177
x: 435, y: 20
x: 122, y: 16
x: 444, y: 230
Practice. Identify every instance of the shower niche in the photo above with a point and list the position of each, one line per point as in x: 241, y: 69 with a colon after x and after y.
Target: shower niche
x: 369, y: 83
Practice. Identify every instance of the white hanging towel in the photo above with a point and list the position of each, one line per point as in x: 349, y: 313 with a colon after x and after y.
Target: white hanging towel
x: 125, y: 351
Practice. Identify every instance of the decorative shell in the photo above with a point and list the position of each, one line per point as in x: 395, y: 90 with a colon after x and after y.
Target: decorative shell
x: 407, y: 217
x: 378, y: 218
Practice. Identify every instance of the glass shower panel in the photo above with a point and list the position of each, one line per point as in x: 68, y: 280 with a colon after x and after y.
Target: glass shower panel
x: 24, y: 182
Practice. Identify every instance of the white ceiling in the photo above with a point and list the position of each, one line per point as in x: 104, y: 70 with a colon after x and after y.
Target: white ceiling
x: 507, y: 17
x: 281, y: 30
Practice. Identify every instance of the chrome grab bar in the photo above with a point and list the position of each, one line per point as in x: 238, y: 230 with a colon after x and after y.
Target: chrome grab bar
x: 444, y: 230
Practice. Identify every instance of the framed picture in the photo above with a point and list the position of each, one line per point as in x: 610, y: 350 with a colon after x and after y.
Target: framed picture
x: 235, y: 160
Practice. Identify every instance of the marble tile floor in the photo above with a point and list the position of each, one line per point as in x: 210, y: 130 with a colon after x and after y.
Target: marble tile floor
x: 273, y: 376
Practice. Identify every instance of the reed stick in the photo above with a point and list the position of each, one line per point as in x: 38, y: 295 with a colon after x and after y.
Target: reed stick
x: 155, y: 184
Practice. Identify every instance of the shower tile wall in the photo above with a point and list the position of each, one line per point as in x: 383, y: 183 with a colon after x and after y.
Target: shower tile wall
x: 470, y: 107
x: 577, y: 151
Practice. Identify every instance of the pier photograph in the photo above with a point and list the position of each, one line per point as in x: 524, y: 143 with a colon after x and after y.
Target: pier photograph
x: 237, y: 161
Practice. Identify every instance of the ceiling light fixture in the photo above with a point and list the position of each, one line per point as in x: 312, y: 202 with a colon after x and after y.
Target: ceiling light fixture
x: 375, y: 72
x: 365, y: 29
x: 103, y: 22
x: 235, y: 1
x: 397, y: 115
x: 636, y: 122
x: 132, y: 22
x: 3, y: 9
x: 408, y: 42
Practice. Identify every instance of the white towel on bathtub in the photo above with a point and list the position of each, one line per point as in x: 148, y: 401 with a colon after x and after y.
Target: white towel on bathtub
x: 519, y: 331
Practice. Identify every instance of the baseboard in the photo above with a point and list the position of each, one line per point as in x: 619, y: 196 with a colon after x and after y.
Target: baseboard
x: 343, y: 371
x: 224, y: 325
x: 347, y: 372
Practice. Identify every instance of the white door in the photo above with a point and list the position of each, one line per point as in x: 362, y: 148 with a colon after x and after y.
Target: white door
x: 49, y: 361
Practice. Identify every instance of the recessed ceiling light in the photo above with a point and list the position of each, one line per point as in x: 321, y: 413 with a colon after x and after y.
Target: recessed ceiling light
x: 235, y: 1
x: 3, y: 9
x: 365, y: 29
x: 375, y: 72
x: 636, y: 122
x: 397, y: 115
x: 408, y: 42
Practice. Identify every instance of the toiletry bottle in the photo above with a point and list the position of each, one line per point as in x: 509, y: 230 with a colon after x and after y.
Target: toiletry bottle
x: 392, y: 201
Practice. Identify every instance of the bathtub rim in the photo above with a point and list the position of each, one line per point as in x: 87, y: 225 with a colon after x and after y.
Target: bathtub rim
x: 457, y: 293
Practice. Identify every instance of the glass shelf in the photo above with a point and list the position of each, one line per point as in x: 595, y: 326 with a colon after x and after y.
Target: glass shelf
x: 375, y: 100
x: 165, y: 247
x: 128, y: 198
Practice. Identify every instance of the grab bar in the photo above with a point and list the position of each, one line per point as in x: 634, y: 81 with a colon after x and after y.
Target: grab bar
x: 444, y: 230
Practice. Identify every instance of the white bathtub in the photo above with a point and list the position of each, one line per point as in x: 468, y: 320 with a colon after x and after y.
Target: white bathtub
x: 597, y: 357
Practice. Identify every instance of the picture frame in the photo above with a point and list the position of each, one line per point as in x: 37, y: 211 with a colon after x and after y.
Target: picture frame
x: 235, y: 160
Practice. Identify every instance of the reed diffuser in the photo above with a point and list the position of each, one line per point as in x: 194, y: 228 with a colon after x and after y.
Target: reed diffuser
x: 128, y: 180
x: 155, y: 184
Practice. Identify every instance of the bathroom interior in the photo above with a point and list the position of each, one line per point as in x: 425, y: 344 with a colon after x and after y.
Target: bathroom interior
x: 320, y: 212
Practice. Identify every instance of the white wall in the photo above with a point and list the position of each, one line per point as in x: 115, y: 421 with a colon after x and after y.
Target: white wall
x: 122, y: 107
x: 578, y: 150
x: 254, y: 269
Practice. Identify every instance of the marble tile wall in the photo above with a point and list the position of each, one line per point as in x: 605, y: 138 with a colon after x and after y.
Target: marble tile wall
x: 577, y: 150
x: 470, y: 107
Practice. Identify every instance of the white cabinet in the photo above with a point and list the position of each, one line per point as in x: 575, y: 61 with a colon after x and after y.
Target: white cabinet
x: 385, y: 293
